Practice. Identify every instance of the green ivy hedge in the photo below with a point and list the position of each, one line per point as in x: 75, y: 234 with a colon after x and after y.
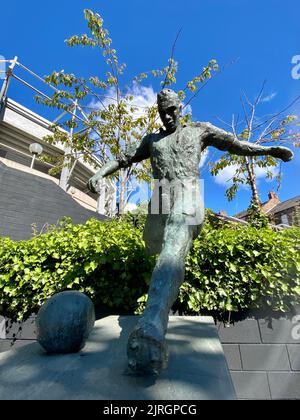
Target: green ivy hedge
x: 237, y: 268
x: 105, y: 260
x: 229, y: 268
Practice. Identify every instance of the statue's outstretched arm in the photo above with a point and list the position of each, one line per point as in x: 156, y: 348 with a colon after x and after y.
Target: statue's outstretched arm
x: 132, y: 155
x: 225, y: 141
x: 108, y: 169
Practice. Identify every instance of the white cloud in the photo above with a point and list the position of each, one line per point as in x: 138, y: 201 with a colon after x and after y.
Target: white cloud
x: 143, y: 98
x: 130, y: 207
x: 225, y: 176
x: 204, y: 158
x: 262, y: 172
x: 269, y: 98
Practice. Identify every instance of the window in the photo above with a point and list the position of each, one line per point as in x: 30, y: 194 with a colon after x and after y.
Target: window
x: 284, y: 219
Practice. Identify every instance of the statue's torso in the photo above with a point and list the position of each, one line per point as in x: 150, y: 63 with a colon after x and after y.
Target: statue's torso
x: 177, y: 155
x: 175, y: 160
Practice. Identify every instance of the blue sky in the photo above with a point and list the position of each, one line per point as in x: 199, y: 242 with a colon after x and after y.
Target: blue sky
x: 263, y: 35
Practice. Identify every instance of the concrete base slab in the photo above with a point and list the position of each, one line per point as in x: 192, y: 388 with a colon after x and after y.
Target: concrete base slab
x: 197, y: 367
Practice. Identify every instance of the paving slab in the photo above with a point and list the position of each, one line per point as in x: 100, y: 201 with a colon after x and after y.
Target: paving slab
x: 294, y: 355
x: 197, y: 367
x: 245, y: 331
x: 233, y: 356
x: 265, y: 357
x: 251, y: 385
x: 284, y: 385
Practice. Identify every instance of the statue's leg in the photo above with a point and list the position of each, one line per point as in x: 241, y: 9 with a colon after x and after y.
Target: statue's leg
x: 147, y: 351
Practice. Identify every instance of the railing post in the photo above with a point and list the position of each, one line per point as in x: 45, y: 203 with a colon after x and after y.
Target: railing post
x: 66, y: 171
x: 7, y: 79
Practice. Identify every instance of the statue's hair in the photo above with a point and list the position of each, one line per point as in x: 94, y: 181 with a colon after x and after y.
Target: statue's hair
x: 167, y: 98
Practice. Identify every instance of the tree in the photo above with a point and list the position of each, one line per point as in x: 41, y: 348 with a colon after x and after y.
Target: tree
x: 276, y: 128
x: 116, y: 124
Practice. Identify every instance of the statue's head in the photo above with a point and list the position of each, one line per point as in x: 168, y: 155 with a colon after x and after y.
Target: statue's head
x: 169, y: 108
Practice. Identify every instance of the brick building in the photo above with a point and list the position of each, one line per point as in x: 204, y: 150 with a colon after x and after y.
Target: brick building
x: 279, y: 212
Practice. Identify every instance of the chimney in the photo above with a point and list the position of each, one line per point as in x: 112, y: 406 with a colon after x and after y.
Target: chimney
x: 271, y: 203
x: 272, y: 195
x: 222, y: 213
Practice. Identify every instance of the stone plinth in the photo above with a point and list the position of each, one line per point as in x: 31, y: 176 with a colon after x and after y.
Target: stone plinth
x: 197, y: 367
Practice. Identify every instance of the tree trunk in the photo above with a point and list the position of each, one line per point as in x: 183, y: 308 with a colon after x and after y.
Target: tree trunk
x: 66, y: 170
x: 252, y: 181
x: 122, y: 191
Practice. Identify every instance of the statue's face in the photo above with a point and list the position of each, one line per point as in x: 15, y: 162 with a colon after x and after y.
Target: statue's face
x: 170, y: 117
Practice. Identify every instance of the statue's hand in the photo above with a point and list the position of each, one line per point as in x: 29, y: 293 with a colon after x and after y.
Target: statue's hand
x: 282, y: 153
x: 93, y: 183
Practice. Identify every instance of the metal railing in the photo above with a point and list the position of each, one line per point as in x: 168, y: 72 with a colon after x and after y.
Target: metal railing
x: 11, y: 74
x: 73, y: 111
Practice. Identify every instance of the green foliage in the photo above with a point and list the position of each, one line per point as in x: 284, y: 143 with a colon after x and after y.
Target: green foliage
x: 229, y: 268
x: 106, y: 261
x: 236, y: 268
x: 256, y: 217
x: 136, y: 219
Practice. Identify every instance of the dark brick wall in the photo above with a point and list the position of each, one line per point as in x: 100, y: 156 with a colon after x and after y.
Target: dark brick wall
x: 263, y: 356
x: 27, y: 199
